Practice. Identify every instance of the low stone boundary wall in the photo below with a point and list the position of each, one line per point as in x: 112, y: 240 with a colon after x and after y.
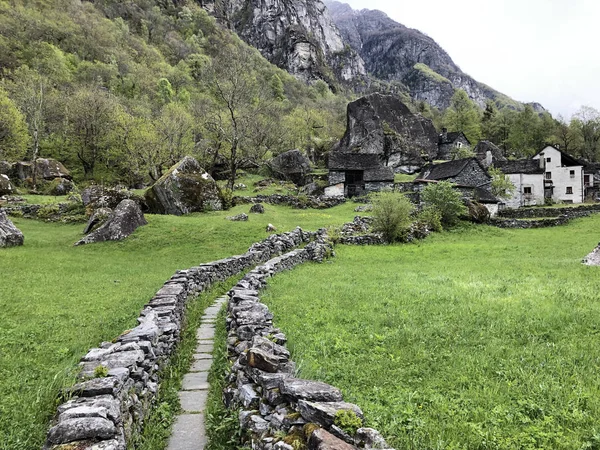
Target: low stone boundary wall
x: 529, y: 213
x: 525, y: 224
x: 300, y: 202
x: 279, y: 411
x: 105, y: 411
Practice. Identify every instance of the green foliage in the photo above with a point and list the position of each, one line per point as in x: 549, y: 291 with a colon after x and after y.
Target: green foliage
x: 48, y: 211
x: 463, y: 115
x: 462, y: 152
x: 491, y: 343
x: 444, y: 198
x: 391, y: 214
x: 348, y: 421
x: 430, y: 73
x: 502, y: 187
x: 100, y: 371
x: 13, y: 130
x: 432, y: 217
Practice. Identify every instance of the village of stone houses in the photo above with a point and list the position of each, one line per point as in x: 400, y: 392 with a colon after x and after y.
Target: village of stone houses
x: 205, y: 245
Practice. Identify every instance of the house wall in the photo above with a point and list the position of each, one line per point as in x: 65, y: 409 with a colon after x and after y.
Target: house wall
x: 521, y: 181
x: 561, y: 177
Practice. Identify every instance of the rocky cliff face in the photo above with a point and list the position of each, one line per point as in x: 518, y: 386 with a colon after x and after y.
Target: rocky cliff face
x: 296, y: 35
x: 393, y: 52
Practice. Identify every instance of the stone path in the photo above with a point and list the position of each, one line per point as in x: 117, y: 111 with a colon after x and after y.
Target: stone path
x: 188, y: 431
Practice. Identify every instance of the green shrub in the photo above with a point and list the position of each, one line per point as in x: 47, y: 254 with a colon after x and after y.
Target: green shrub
x: 100, y: 371
x: 48, y: 211
x: 443, y: 197
x: 432, y: 217
x: 391, y: 215
x: 347, y: 420
x: 227, y: 198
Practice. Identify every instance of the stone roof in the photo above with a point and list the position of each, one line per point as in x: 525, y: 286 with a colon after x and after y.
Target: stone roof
x: 483, y: 147
x: 353, y: 161
x: 450, y: 137
x: 529, y: 166
x: 448, y: 169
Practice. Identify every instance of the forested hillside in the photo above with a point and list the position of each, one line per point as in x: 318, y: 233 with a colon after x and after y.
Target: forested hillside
x: 122, y: 90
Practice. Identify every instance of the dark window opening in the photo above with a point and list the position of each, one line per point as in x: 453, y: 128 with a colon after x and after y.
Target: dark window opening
x: 548, y: 175
x: 354, y: 176
x: 527, y: 190
x: 572, y: 173
x: 548, y: 159
x: 569, y: 190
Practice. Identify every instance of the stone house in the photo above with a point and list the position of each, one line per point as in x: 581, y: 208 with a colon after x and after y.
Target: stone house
x: 449, y: 142
x: 355, y: 174
x: 488, y: 153
x: 465, y: 172
x: 527, y: 175
x: 563, y: 176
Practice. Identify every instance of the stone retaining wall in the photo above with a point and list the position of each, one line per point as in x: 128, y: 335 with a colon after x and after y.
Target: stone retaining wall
x: 528, y: 213
x: 300, y: 202
x: 277, y: 410
x: 104, y: 411
x: 524, y: 224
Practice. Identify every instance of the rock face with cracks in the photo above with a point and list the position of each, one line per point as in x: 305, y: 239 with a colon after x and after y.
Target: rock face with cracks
x: 291, y: 166
x: 185, y: 188
x: 123, y: 221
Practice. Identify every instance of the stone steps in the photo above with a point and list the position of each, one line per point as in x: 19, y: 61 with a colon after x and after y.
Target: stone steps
x: 189, y: 432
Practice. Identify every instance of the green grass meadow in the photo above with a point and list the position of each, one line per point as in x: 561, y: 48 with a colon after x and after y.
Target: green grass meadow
x: 480, y: 338
x: 57, y: 301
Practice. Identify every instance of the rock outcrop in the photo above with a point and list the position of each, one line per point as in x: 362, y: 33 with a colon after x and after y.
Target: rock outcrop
x: 6, y: 187
x: 10, y: 236
x: 296, y: 35
x: 393, y: 52
x: 291, y: 166
x: 384, y: 126
x: 593, y: 259
x: 124, y: 220
x: 185, y: 188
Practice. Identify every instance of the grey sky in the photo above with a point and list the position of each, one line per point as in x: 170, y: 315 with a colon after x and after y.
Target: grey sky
x: 546, y: 51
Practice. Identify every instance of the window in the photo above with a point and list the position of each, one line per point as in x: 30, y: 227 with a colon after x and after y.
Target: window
x: 572, y: 173
x: 527, y: 190
x: 548, y: 159
x: 459, y: 145
x: 548, y: 175
x: 569, y: 190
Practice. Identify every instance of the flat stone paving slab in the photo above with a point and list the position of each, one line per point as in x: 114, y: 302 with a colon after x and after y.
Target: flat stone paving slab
x: 193, y: 401
x: 188, y: 433
x: 202, y: 365
x: 195, y: 381
x: 203, y: 356
x: 205, y: 347
x: 205, y: 332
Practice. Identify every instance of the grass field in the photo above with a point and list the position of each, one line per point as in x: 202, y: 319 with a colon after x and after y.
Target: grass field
x: 480, y: 338
x: 56, y: 300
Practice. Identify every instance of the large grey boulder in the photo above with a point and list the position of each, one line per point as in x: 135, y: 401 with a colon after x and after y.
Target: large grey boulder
x: 10, y: 236
x: 185, y: 188
x: 6, y: 167
x: 6, y: 187
x: 291, y: 166
x: 46, y: 168
x: 384, y: 126
x: 124, y: 220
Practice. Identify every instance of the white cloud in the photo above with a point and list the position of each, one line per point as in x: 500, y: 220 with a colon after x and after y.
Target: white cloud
x: 532, y: 50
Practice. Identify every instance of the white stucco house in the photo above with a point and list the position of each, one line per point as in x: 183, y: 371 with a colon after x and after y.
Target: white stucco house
x: 527, y: 175
x: 549, y: 174
x: 563, y: 176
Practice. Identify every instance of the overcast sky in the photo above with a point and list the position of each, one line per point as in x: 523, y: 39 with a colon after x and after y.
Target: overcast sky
x: 546, y: 51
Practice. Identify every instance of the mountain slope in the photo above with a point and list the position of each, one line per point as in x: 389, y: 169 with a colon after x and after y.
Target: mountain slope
x: 296, y: 35
x: 393, y: 52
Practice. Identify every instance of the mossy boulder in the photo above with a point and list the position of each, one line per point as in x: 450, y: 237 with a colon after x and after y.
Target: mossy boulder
x: 185, y: 188
x: 59, y: 186
x: 46, y: 169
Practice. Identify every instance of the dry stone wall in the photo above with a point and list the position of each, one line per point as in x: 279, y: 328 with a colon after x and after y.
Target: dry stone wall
x: 277, y: 410
x: 300, y: 202
x: 103, y: 412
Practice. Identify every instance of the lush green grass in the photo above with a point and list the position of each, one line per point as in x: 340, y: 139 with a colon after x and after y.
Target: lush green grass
x: 44, y: 199
x: 405, y: 178
x: 56, y: 300
x: 251, y: 182
x: 478, y: 339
